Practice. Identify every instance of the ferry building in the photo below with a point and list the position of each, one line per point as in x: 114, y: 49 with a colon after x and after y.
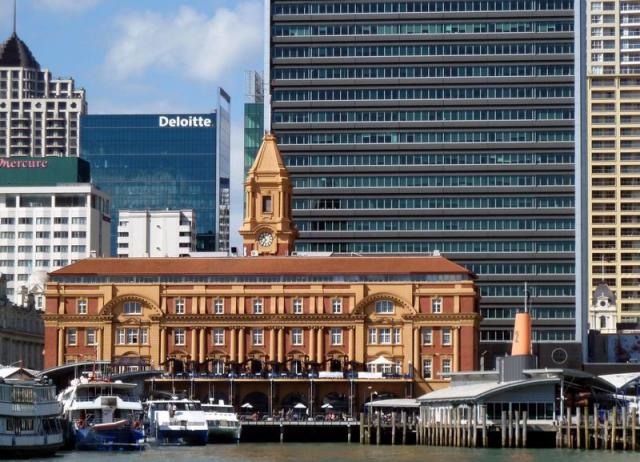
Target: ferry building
x: 270, y: 327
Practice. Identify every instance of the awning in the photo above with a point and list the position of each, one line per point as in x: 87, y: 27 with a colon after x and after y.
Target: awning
x: 381, y: 361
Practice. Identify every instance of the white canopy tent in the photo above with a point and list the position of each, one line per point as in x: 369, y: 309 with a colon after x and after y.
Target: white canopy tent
x: 381, y: 364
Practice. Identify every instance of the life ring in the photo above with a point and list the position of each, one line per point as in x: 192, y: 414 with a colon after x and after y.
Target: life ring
x: 80, y: 423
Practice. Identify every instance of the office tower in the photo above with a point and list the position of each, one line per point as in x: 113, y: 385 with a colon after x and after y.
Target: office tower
x: 613, y: 117
x: 165, y: 161
x: 253, y: 118
x: 156, y: 233
x: 423, y: 126
x: 39, y: 114
x: 50, y: 216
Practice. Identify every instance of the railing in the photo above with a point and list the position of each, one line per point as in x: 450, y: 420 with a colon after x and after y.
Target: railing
x: 92, y: 398
x: 349, y: 375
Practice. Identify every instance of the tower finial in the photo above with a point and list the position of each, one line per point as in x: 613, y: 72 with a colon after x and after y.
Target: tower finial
x: 14, y: 15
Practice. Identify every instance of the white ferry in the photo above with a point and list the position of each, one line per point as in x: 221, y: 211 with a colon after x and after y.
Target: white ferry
x: 177, y: 422
x: 222, y: 422
x: 103, y: 415
x: 29, y: 419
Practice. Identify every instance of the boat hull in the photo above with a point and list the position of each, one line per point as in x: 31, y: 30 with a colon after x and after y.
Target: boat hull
x: 224, y: 434
x: 107, y: 439
x: 182, y: 437
x: 45, y: 446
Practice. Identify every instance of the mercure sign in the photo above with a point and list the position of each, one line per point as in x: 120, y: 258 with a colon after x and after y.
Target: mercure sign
x: 23, y: 163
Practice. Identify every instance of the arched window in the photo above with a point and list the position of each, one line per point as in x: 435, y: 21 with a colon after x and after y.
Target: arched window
x: 603, y: 322
x: 384, y: 307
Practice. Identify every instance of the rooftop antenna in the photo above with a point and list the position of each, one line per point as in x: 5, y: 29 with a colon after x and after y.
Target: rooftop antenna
x: 14, y: 16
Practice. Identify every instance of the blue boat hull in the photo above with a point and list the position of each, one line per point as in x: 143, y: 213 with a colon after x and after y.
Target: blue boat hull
x: 183, y: 437
x: 125, y: 438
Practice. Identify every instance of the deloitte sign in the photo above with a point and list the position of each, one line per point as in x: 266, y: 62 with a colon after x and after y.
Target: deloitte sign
x: 184, y: 122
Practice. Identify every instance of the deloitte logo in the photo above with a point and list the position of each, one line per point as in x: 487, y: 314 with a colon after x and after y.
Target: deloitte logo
x: 191, y: 121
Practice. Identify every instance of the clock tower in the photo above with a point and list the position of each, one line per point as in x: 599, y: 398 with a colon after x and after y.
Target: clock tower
x: 267, y: 228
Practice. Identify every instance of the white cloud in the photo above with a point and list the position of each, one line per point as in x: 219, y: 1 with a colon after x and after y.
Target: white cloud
x: 67, y: 6
x: 197, y: 46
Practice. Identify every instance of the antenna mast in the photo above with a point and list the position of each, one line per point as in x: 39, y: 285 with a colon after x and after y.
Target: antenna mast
x: 14, y: 15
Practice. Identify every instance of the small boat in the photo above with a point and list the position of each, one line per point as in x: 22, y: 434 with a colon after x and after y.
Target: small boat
x: 103, y: 415
x: 30, y: 424
x: 222, y: 422
x: 177, y: 422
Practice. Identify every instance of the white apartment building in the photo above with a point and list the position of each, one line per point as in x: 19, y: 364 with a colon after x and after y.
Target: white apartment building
x: 43, y: 228
x: 39, y: 115
x: 156, y: 233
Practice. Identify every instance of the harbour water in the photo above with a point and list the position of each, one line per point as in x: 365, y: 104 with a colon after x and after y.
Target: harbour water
x: 342, y: 452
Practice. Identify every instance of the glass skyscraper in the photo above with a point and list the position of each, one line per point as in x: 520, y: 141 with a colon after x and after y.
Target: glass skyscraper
x: 164, y: 161
x: 439, y: 125
x: 253, y: 118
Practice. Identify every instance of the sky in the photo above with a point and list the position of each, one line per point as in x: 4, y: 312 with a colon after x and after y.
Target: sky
x: 149, y: 56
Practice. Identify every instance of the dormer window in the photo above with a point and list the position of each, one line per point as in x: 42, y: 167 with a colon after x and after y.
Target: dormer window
x: 267, y: 205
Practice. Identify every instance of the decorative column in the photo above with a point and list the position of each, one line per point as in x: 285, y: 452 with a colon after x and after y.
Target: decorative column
x: 234, y: 345
x: 312, y: 344
x: 99, y: 346
x: 352, y: 341
x: 320, y: 346
x: 107, y: 341
x: 163, y: 345
x: 456, y: 348
x: 241, y: 345
x: 272, y: 344
x: 61, y: 346
x: 416, y: 351
x: 203, y: 345
x: 194, y: 344
x: 281, y: 345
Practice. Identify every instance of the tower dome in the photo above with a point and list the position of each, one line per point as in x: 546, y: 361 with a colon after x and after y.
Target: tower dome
x: 15, y: 53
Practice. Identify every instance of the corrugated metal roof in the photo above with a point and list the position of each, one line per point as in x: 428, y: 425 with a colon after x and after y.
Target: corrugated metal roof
x: 479, y: 390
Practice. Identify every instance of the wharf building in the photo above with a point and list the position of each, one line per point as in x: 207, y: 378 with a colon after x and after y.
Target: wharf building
x: 422, y: 126
x: 156, y: 233
x: 164, y: 161
x: 264, y: 328
x: 613, y: 74
x: 50, y: 216
x: 21, y: 332
x: 39, y: 114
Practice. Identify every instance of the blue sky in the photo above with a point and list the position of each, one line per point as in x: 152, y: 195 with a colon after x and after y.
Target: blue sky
x: 149, y: 55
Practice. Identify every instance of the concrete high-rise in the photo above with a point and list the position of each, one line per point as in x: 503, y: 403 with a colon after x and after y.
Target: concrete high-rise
x: 156, y: 233
x: 39, y: 115
x: 423, y: 126
x: 613, y: 73
x: 50, y: 216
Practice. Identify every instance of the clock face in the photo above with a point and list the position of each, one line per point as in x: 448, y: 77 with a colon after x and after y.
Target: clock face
x: 265, y: 239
